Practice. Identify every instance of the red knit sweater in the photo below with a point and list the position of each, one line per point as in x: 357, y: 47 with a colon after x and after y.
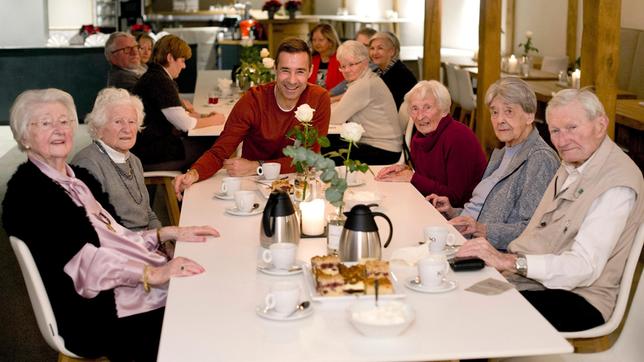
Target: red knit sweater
x: 257, y: 120
x: 448, y: 161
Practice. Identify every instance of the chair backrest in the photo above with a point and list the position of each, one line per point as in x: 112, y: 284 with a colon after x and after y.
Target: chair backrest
x: 554, y: 64
x: 452, y: 83
x: 622, y: 297
x: 465, y: 91
x: 408, y: 126
x: 420, y: 68
x: 38, y: 297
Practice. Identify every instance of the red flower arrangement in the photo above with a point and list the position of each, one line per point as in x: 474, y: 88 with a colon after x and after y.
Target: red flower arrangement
x: 292, y: 5
x: 272, y: 6
x: 145, y: 28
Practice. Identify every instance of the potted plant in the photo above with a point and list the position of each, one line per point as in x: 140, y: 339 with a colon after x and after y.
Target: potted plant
x: 291, y: 7
x: 272, y: 6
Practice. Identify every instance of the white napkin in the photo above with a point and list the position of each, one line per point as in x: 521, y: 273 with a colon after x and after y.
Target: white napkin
x: 410, y: 255
x: 57, y: 40
x: 96, y: 40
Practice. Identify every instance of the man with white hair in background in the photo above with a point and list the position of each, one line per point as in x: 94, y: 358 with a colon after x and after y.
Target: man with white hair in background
x: 569, y: 261
x: 122, y: 51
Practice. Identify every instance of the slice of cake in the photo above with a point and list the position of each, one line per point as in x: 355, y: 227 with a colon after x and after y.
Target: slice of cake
x: 328, y: 264
x: 282, y: 185
x: 384, y: 286
x: 353, y: 278
x: 330, y: 285
x: 377, y: 268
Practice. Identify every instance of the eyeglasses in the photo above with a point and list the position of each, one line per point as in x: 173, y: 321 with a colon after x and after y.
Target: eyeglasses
x: 49, y: 124
x: 350, y: 65
x: 128, y: 50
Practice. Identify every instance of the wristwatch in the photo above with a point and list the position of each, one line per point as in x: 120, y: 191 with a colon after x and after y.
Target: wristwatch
x: 521, y: 265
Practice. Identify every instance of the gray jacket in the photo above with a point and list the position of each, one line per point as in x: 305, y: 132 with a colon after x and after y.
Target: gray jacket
x: 512, y: 201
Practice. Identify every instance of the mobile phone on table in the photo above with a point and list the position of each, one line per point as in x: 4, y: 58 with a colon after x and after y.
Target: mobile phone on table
x: 466, y: 263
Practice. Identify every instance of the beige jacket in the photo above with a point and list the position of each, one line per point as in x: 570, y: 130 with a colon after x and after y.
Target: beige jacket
x: 559, y: 216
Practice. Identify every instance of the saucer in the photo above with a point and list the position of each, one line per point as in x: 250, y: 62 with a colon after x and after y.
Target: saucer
x: 270, y: 270
x: 223, y: 196
x: 271, y: 315
x: 445, y: 286
x: 449, y: 251
x: 235, y: 211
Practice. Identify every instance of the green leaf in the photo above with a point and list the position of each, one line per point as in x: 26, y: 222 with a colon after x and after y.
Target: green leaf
x: 324, y: 141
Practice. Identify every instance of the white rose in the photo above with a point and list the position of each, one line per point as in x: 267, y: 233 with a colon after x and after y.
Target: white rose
x: 264, y: 53
x: 528, y: 34
x: 351, y: 131
x: 304, y: 113
x: 268, y: 62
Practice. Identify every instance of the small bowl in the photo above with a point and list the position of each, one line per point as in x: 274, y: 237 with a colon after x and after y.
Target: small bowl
x: 380, y: 329
x: 353, y: 198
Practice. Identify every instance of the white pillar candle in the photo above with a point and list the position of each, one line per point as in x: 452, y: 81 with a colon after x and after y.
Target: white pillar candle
x: 576, y: 78
x: 312, y: 217
x: 513, y: 64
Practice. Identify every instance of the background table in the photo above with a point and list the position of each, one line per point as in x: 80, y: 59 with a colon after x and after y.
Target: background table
x: 212, y: 316
x: 534, y: 74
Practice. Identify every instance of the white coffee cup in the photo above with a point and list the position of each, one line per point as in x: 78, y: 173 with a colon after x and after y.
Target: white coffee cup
x: 230, y: 184
x: 281, y: 255
x: 270, y: 170
x: 437, y: 237
x: 244, y: 200
x: 432, y: 270
x: 283, y: 297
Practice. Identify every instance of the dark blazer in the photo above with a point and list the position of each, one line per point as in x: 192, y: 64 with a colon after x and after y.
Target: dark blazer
x: 38, y: 210
x: 400, y: 80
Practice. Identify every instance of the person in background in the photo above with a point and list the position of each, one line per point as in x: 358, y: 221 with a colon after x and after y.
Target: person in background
x: 569, y: 260
x: 163, y: 144
x: 516, y: 175
x: 369, y: 103
x: 122, y: 52
x: 263, y: 132
x: 113, y: 125
x: 362, y: 36
x: 447, y: 157
x: 324, y: 41
x: 384, y: 51
x: 146, y: 43
x: 107, y: 285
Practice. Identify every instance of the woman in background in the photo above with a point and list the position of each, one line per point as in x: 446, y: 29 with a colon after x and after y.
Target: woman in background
x: 146, y: 43
x: 384, y: 51
x: 326, y: 69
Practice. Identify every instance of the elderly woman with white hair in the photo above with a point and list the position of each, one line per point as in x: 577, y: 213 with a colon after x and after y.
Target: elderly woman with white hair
x: 369, y: 103
x: 113, y: 125
x: 384, y: 50
x: 516, y: 176
x: 107, y: 285
x: 447, y: 157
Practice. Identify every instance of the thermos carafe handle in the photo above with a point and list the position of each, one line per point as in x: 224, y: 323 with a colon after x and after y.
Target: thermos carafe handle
x: 391, y: 227
x: 269, y: 229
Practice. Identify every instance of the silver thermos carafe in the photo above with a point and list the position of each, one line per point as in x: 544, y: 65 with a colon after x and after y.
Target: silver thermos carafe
x: 279, y: 222
x: 360, y: 239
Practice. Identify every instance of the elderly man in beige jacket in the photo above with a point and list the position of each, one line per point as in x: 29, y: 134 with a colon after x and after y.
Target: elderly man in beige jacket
x: 569, y: 260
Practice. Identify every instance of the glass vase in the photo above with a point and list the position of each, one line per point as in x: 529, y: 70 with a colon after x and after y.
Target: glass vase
x: 335, y: 225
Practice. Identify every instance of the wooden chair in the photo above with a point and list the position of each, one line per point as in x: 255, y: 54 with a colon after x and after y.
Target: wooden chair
x: 40, y: 301
x: 164, y: 178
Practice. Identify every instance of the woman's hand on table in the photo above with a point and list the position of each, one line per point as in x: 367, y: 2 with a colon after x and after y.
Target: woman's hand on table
x: 177, y: 267
x: 211, y: 119
x: 481, y: 248
x: 187, y: 233
x: 395, y: 173
x: 184, y: 181
x: 240, y: 167
x: 468, y: 226
x: 442, y: 204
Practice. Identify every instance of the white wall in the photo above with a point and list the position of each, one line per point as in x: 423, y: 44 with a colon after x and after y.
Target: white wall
x: 70, y: 14
x: 633, y: 14
x: 24, y: 23
x: 547, y: 21
x: 460, y: 24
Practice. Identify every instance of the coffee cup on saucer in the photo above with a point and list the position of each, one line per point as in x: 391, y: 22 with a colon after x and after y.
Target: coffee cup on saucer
x: 280, y: 255
x: 229, y: 185
x: 432, y: 270
x: 283, y: 298
x: 244, y: 200
x: 437, y: 237
x: 270, y: 170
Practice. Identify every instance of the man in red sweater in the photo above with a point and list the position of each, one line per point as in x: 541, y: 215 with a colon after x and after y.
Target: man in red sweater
x: 261, y: 119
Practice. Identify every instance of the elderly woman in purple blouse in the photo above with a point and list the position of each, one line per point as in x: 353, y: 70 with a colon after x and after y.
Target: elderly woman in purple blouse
x: 107, y: 285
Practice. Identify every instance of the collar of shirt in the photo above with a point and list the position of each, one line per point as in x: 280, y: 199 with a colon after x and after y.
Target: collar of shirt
x: 391, y: 64
x: 115, y: 155
x: 166, y: 72
x: 574, y: 172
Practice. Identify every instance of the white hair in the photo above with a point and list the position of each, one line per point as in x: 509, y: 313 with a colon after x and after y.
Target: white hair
x: 434, y: 88
x: 106, y: 99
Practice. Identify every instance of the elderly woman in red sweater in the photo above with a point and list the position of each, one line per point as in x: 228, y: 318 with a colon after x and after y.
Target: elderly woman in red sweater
x: 446, y: 155
x: 326, y: 68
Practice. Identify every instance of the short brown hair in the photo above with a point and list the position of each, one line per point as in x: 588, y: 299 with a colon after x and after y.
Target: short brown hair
x: 292, y: 45
x: 170, y: 44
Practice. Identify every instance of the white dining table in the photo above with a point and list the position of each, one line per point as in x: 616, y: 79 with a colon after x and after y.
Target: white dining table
x: 212, y: 316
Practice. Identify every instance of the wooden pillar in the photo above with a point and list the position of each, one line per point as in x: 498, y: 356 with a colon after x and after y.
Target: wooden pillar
x: 489, y: 68
x: 432, y: 40
x: 509, y: 27
x: 600, y: 53
x: 571, y: 31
